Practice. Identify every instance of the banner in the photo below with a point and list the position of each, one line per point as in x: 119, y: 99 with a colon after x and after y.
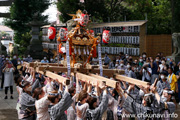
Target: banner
x: 134, y: 51
x: 137, y: 51
x: 68, y: 58
x: 137, y: 38
x: 119, y: 29
x: 127, y: 29
x: 100, y: 59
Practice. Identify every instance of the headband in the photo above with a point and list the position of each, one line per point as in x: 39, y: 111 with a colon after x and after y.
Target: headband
x: 92, y: 95
x: 22, y: 82
x: 165, y: 91
x: 54, y: 94
x: 147, y: 94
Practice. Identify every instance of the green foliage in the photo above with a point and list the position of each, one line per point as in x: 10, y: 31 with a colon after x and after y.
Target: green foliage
x: 115, y: 10
x: 100, y: 10
x: 24, y: 41
x: 67, y: 7
x: 96, y: 8
x: 158, y: 14
x: 22, y: 12
x: 175, y: 16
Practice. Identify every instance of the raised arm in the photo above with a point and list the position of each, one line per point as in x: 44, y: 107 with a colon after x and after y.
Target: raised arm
x: 58, y: 109
x: 104, y: 103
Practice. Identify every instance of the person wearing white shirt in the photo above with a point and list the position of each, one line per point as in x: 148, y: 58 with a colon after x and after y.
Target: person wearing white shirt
x: 146, y: 73
x: 162, y: 66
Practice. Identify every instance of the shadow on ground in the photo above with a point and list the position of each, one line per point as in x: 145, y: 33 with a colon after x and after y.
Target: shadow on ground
x: 8, y: 114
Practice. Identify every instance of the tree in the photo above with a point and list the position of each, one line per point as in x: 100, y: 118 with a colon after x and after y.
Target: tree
x: 21, y: 13
x: 158, y: 14
x: 116, y: 11
x: 67, y: 7
x: 100, y: 10
x: 97, y: 9
x: 175, y: 15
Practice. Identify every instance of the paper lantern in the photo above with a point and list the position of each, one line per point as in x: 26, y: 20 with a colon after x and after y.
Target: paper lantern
x: 63, y: 34
x: 84, y: 19
x: 51, y: 33
x: 105, y: 36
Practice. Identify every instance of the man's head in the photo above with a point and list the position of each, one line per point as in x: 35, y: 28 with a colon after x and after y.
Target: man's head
x: 140, y: 59
x: 14, y: 57
x: 7, y: 59
x: 121, y: 54
x: 38, y: 93
x: 163, y: 61
x: 92, y: 101
x: 72, y: 91
x: 157, y: 58
x: 26, y: 86
x: 170, y: 70
x: 163, y: 75
x: 166, y: 95
x: 144, y: 54
x: 127, y: 56
x: 122, y: 63
x: 128, y: 66
x: 130, y: 58
x: 54, y: 97
x: 147, y: 100
x: 82, y: 96
x: 136, y: 61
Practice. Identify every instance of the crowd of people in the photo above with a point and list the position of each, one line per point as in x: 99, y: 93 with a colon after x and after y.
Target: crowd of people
x: 44, y: 98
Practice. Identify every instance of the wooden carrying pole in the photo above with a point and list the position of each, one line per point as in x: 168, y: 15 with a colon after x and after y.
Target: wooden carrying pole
x: 93, y: 80
x: 34, y: 64
x: 54, y: 76
x: 55, y: 68
x: 48, y: 73
x: 26, y: 64
x: 131, y: 80
x: 107, y: 72
x: 109, y: 82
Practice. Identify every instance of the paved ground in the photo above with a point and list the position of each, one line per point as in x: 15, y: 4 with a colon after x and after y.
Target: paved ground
x: 8, y: 107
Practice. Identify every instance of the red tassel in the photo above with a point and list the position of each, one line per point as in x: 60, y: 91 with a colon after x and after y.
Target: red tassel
x: 60, y: 48
x: 94, y: 52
